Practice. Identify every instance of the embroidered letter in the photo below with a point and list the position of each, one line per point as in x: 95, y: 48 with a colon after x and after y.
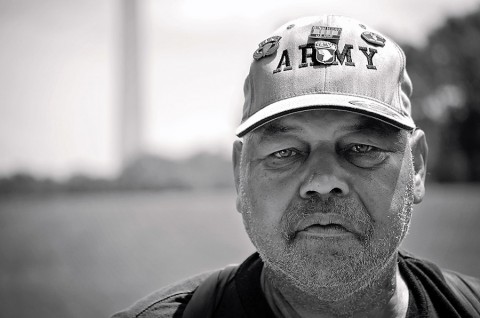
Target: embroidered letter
x: 369, y: 56
x: 284, y: 60
x: 310, y: 47
x: 345, y: 53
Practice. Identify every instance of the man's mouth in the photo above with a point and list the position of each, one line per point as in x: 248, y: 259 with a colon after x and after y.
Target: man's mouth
x: 331, y: 229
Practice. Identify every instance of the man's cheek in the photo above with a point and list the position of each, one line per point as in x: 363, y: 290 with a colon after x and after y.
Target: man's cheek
x: 380, y: 191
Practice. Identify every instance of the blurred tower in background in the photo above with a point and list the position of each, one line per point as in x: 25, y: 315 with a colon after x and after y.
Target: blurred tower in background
x: 130, y: 83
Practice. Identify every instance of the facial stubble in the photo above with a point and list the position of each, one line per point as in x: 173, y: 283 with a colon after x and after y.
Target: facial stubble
x: 328, y: 273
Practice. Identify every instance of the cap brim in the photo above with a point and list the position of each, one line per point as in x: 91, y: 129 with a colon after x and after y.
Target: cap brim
x: 302, y: 103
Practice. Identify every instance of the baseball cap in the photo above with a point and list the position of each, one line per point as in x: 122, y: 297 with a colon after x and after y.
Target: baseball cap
x: 327, y: 62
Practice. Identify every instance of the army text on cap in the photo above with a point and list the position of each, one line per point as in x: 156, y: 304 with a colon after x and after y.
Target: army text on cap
x: 321, y: 53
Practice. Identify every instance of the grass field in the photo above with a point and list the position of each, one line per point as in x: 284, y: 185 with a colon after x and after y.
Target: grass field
x: 90, y: 255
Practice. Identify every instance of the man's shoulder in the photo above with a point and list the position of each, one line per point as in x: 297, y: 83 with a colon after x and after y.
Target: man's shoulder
x: 453, y: 278
x: 165, y: 302
x: 465, y: 289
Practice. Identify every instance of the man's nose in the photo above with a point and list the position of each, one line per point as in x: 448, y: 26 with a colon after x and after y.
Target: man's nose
x: 324, y: 177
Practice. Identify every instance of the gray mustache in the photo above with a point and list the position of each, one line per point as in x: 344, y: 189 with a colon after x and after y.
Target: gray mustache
x: 353, y: 213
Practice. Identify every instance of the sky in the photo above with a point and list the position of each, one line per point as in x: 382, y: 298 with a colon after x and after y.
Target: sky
x: 60, y: 80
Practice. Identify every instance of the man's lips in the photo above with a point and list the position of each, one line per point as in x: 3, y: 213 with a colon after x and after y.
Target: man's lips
x: 326, y: 230
x: 327, y: 224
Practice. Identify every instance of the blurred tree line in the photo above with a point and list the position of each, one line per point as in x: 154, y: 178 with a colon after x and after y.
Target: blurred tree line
x: 446, y: 98
x: 146, y: 172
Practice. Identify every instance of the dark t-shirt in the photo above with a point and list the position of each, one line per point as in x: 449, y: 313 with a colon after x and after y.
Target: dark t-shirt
x: 430, y: 295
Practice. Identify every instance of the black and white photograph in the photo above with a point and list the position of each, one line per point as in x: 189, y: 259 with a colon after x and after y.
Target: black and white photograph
x: 271, y: 159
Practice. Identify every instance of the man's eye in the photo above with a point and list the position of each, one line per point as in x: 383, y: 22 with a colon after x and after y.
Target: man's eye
x: 284, y: 159
x: 285, y: 153
x: 365, y: 156
x: 361, y: 148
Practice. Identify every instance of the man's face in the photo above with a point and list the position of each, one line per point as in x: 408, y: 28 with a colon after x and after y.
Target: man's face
x: 326, y: 196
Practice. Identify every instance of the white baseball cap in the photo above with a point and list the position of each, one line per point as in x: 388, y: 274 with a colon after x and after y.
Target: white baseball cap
x: 327, y: 62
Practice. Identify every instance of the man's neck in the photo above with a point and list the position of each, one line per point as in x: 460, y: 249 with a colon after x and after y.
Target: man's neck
x: 386, y: 296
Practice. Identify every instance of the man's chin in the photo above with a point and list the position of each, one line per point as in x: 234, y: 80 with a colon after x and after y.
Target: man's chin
x: 336, y: 269
x: 318, y: 248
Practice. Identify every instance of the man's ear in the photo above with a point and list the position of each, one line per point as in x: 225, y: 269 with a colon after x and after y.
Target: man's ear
x: 236, y: 157
x: 419, y: 147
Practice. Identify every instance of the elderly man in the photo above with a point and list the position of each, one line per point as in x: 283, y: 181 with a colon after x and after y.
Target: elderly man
x: 328, y: 169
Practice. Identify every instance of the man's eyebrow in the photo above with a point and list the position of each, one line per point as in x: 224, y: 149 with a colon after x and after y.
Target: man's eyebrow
x: 373, y: 126
x: 275, y: 128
